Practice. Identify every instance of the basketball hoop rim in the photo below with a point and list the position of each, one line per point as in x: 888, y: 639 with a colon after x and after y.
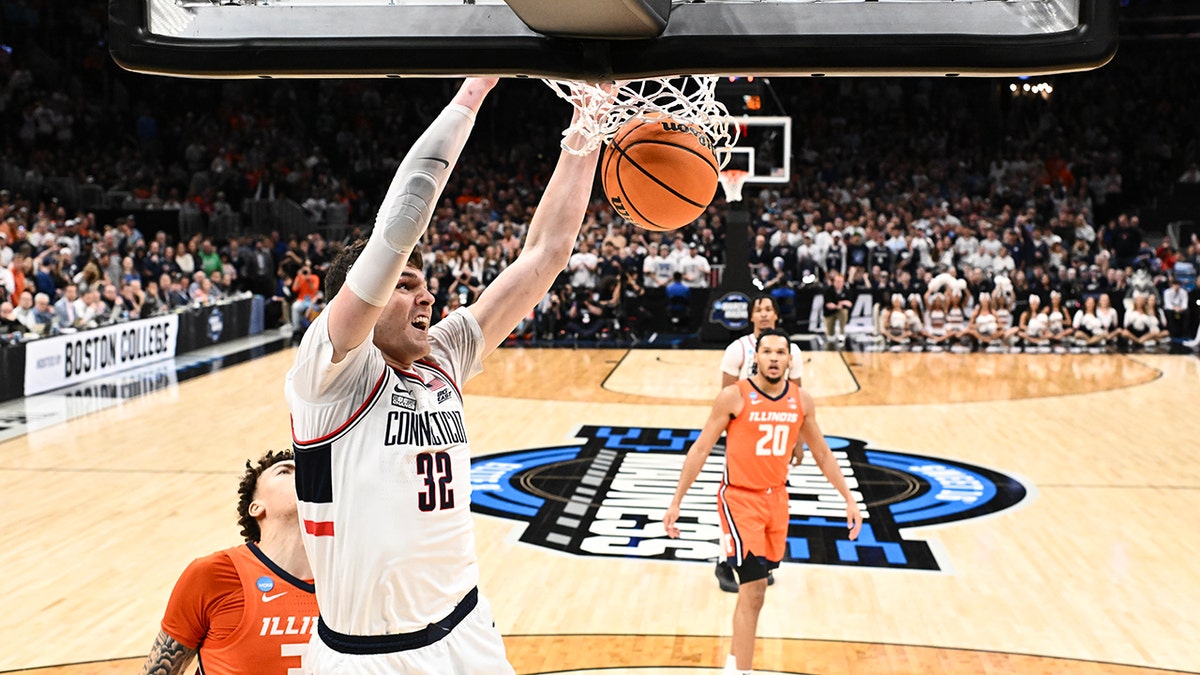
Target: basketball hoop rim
x: 690, y: 99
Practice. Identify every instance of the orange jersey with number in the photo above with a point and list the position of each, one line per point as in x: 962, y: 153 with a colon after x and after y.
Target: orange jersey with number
x: 759, y: 440
x: 244, y: 614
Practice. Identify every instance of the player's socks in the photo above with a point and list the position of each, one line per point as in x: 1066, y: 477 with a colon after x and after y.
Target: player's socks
x: 732, y: 669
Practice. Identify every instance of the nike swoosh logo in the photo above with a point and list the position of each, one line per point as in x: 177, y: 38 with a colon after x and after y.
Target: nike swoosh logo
x: 439, y: 160
x: 268, y: 598
x: 755, y: 401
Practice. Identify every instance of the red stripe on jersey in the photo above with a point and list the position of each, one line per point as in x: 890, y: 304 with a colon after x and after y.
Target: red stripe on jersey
x: 366, y: 404
x: 410, y: 374
x: 323, y: 528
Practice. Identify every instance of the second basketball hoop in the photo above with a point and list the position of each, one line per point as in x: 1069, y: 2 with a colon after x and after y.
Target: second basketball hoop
x: 732, y: 181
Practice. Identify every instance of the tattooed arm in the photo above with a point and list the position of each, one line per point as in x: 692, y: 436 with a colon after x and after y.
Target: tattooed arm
x: 167, y: 657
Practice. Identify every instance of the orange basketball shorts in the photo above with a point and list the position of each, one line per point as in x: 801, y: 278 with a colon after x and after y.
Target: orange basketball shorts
x: 753, y: 522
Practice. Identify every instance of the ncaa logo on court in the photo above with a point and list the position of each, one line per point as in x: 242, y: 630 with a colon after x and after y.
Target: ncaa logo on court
x: 605, y: 496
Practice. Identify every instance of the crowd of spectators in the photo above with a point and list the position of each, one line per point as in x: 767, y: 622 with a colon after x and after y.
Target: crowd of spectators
x: 895, y: 181
x: 62, y: 275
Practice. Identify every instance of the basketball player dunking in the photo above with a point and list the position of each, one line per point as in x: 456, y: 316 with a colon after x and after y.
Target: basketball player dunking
x: 768, y: 420
x: 738, y: 364
x: 382, y: 460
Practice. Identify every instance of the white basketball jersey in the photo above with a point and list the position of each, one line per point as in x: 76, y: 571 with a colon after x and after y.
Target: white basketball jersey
x: 739, y: 359
x: 383, y: 479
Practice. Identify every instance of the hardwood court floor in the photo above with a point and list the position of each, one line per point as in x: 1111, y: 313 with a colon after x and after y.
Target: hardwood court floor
x: 1093, y: 573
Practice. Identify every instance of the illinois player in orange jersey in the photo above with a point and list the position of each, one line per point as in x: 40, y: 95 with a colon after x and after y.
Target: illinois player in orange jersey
x: 249, y: 609
x: 768, y: 420
x: 738, y: 364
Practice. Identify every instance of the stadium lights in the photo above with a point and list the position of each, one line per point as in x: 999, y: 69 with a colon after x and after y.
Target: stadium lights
x: 1043, y: 89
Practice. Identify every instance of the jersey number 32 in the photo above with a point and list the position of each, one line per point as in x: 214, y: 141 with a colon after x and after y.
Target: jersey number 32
x: 435, y: 467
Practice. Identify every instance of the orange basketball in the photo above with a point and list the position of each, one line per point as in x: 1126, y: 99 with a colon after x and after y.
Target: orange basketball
x: 659, y: 174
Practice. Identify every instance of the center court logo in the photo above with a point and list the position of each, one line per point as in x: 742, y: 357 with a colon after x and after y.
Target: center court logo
x: 605, y: 497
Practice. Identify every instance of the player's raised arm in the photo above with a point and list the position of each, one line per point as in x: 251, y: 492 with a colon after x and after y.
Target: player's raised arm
x: 810, y: 433
x: 726, y: 406
x: 402, y: 219
x: 552, y: 233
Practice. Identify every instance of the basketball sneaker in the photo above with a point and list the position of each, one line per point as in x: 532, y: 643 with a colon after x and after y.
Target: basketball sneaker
x: 729, y: 584
x: 725, y: 578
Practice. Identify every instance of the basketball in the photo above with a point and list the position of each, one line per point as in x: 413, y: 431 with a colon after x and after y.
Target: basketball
x: 660, y: 173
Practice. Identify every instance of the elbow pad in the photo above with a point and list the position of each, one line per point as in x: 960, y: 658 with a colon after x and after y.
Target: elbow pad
x: 408, y: 206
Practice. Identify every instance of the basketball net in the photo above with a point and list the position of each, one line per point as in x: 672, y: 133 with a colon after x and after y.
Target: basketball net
x: 732, y: 182
x: 690, y: 99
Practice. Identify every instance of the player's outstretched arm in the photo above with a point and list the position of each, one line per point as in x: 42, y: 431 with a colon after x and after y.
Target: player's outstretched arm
x: 402, y: 219
x: 810, y: 433
x: 552, y: 233
x: 727, y: 405
x: 168, y: 657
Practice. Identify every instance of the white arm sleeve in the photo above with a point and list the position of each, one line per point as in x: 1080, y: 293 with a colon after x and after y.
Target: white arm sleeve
x: 408, y: 206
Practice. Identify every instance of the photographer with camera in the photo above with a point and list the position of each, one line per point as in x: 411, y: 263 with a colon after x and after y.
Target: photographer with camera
x: 306, y: 290
x: 466, y: 287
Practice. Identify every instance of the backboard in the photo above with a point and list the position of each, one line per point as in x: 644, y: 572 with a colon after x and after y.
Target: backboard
x: 763, y: 148
x: 603, y: 40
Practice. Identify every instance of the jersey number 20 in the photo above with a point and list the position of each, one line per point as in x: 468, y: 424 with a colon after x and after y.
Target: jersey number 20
x: 773, y: 440
x: 435, y: 467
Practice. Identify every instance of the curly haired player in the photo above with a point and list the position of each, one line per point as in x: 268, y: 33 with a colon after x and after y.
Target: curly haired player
x: 250, y: 608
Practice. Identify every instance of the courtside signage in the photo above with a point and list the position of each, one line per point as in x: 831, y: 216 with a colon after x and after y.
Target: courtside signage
x: 732, y: 311
x: 606, y: 495
x: 69, y: 359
